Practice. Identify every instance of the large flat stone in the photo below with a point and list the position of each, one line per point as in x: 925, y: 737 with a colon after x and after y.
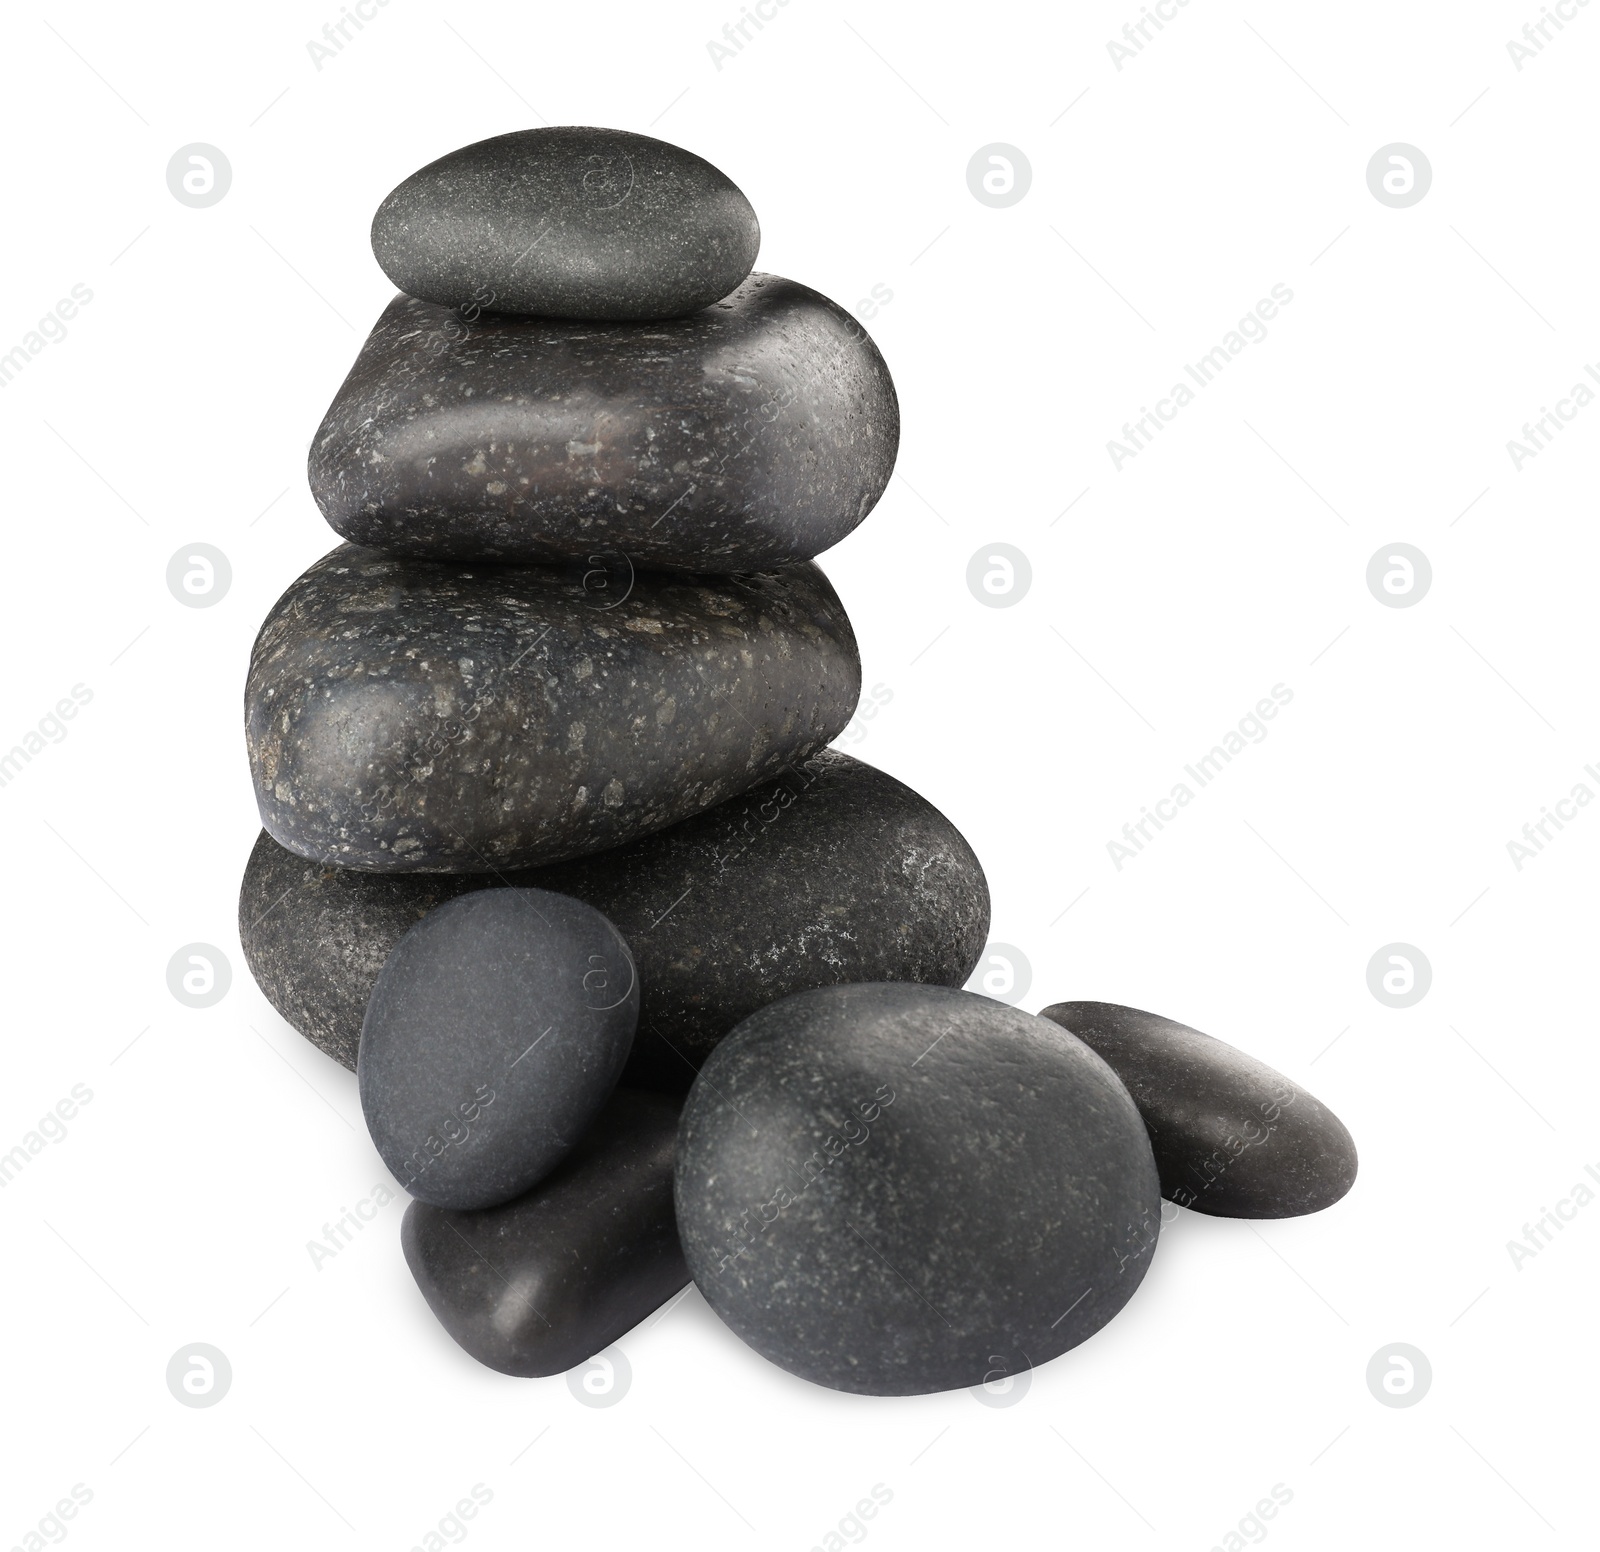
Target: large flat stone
x: 756, y: 433
x: 831, y: 872
x: 410, y: 716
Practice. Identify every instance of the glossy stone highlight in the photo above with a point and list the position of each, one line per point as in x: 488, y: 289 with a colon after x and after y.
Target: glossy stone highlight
x: 539, y: 1284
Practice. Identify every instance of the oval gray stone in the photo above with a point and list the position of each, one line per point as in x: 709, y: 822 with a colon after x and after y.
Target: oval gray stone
x: 568, y: 222
x: 831, y: 872
x: 1232, y: 1137
x: 497, y: 1029
x: 409, y: 716
x: 756, y: 433
x: 542, y: 1282
x: 894, y: 1189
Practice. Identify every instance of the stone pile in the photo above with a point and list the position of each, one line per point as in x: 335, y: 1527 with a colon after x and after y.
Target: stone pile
x: 554, y: 838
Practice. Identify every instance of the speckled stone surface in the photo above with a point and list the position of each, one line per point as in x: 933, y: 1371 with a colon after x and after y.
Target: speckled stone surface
x: 753, y: 434
x: 1232, y: 1137
x: 555, y: 1276
x: 568, y: 222
x: 408, y: 716
x: 497, y: 1030
x: 895, y: 1189
x: 832, y: 872
x: 316, y: 936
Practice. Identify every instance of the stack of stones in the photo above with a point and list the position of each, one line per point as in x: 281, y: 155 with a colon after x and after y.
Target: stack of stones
x: 641, y: 981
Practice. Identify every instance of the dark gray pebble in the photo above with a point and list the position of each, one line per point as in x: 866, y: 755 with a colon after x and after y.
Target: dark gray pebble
x: 756, y: 433
x: 1232, y: 1137
x: 497, y: 1029
x: 834, y: 871
x: 410, y: 716
x: 539, y: 1284
x: 895, y: 1189
x: 568, y: 222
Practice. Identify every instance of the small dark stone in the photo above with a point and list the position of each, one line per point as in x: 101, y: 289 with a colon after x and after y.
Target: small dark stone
x: 539, y: 1284
x: 754, y: 434
x: 896, y: 1189
x: 1232, y: 1137
x: 496, y: 1031
x: 409, y: 716
x: 832, y: 872
x: 568, y: 222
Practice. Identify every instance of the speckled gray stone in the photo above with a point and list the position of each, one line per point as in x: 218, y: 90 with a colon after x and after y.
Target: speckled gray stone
x: 544, y: 1281
x: 568, y: 222
x: 316, y: 936
x: 756, y: 433
x: 497, y: 1029
x: 1231, y: 1136
x: 895, y: 1189
x: 832, y: 872
x: 409, y: 716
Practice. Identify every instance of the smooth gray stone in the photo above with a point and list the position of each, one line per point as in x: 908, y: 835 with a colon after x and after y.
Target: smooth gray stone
x: 756, y: 433
x: 568, y: 222
x: 894, y: 1189
x: 497, y: 1029
x: 410, y: 716
x: 834, y: 871
x: 539, y: 1284
x: 1232, y: 1137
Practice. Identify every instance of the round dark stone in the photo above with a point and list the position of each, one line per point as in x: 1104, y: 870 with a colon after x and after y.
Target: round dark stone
x: 542, y: 1282
x: 568, y: 222
x: 1232, y: 1137
x: 756, y: 433
x: 410, y: 716
x: 895, y: 1189
x: 832, y: 872
x: 497, y: 1029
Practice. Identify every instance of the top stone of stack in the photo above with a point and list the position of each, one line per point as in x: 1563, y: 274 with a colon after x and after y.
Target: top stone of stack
x: 568, y: 223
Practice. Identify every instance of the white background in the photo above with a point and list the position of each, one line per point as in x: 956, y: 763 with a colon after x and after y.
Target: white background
x: 1168, y: 197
